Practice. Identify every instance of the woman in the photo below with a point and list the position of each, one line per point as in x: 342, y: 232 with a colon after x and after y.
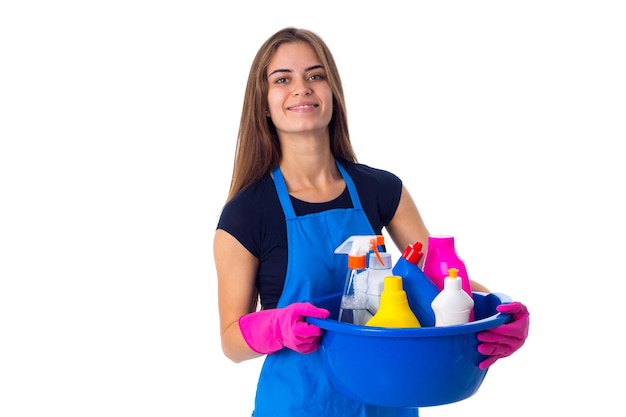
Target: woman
x: 296, y: 193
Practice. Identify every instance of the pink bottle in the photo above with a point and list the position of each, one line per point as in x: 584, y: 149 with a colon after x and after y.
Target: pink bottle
x: 440, y: 257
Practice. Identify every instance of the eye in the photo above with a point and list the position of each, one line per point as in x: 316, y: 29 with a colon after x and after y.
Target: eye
x: 281, y: 80
x: 317, y: 77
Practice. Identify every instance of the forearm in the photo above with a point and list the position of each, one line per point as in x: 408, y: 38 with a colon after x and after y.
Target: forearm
x: 234, y: 346
x: 478, y: 287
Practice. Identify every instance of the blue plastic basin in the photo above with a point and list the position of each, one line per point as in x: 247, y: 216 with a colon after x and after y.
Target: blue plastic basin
x: 417, y: 367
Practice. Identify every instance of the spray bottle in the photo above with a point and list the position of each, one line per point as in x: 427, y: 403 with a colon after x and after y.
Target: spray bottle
x: 353, y: 308
x: 420, y: 290
x: 452, y: 305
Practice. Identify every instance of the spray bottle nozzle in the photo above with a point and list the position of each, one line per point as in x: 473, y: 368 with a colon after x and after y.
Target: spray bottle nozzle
x: 374, y: 247
x: 361, y: 245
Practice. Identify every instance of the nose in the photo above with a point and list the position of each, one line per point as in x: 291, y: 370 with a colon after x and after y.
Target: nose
x: 301, y: 89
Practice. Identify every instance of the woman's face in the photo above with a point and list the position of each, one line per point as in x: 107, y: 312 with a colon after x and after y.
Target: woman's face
x: 299, y: 97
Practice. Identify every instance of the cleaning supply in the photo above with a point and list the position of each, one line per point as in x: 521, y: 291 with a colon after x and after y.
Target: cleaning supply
x: 394, y: 310
x: 377, y: 270
x: 268, y: 331
x: 420, y: 290
x: 353, y: 308
x: 452, y: 305
x: 440, y: 257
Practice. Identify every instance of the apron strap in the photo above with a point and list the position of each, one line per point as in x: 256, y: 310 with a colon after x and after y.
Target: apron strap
x: 356, y: 201
x: 283, y: 195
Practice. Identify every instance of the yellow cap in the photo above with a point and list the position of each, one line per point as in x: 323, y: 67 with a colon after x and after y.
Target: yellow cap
x: 393, y: 290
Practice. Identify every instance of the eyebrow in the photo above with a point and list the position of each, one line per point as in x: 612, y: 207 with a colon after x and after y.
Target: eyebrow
x: 288, y: 70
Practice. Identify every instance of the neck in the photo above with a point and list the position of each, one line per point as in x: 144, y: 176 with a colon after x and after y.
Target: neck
x: 312, y: 177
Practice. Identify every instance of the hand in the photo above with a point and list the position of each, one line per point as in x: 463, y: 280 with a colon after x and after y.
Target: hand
x: 268, y: 331
x: 505, y: 339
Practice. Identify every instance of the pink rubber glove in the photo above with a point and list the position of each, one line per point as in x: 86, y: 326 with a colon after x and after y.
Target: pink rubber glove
x: 268, y: 331
x: 505, y: 339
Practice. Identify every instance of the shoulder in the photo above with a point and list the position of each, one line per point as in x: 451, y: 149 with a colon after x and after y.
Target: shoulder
x: 252, y: 198
x: 251, y: 212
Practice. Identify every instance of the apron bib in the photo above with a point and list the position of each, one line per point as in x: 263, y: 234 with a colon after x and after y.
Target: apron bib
x: 292, y: 384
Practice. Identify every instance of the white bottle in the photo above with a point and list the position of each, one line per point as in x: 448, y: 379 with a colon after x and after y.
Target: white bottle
x: 452, y: 305
x: 376, y: 279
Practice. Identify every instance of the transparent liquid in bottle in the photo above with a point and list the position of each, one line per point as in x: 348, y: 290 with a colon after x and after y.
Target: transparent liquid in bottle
x: 353, y: 307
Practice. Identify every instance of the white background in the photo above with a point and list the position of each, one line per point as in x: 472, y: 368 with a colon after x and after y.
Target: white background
x: 118, y: 121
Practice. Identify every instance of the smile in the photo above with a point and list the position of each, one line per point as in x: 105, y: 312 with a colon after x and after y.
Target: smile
x: 303, y: 107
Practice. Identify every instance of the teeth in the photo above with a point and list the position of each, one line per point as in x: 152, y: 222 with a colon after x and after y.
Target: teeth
x: 303, y: 107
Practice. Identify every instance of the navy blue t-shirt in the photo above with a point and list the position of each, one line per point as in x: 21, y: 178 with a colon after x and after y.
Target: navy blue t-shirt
x: 256, y: 219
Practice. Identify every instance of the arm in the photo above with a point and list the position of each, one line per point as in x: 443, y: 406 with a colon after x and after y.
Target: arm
x: 246, y: 333
x: 236, y: 272
x: 407, y: 227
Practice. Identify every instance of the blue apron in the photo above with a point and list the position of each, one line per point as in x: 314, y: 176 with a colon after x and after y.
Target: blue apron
x: 293, y: 384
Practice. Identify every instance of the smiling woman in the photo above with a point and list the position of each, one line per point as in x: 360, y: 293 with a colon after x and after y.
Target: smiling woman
x: 297, y: 192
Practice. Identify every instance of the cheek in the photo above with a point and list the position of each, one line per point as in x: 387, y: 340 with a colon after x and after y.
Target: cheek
x: 274, y: 100
x: 330, y: 105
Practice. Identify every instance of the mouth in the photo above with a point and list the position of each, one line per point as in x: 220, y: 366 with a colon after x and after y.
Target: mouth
x: 302, y: 107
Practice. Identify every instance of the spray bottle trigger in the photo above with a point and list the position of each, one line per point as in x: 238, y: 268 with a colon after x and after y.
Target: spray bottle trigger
x: 374, y: 246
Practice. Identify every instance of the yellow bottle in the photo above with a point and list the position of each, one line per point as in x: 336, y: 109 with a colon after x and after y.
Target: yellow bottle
x: 394, y: 310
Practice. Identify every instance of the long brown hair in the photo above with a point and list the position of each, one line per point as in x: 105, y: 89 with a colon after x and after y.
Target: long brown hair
x: 258, y: 149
